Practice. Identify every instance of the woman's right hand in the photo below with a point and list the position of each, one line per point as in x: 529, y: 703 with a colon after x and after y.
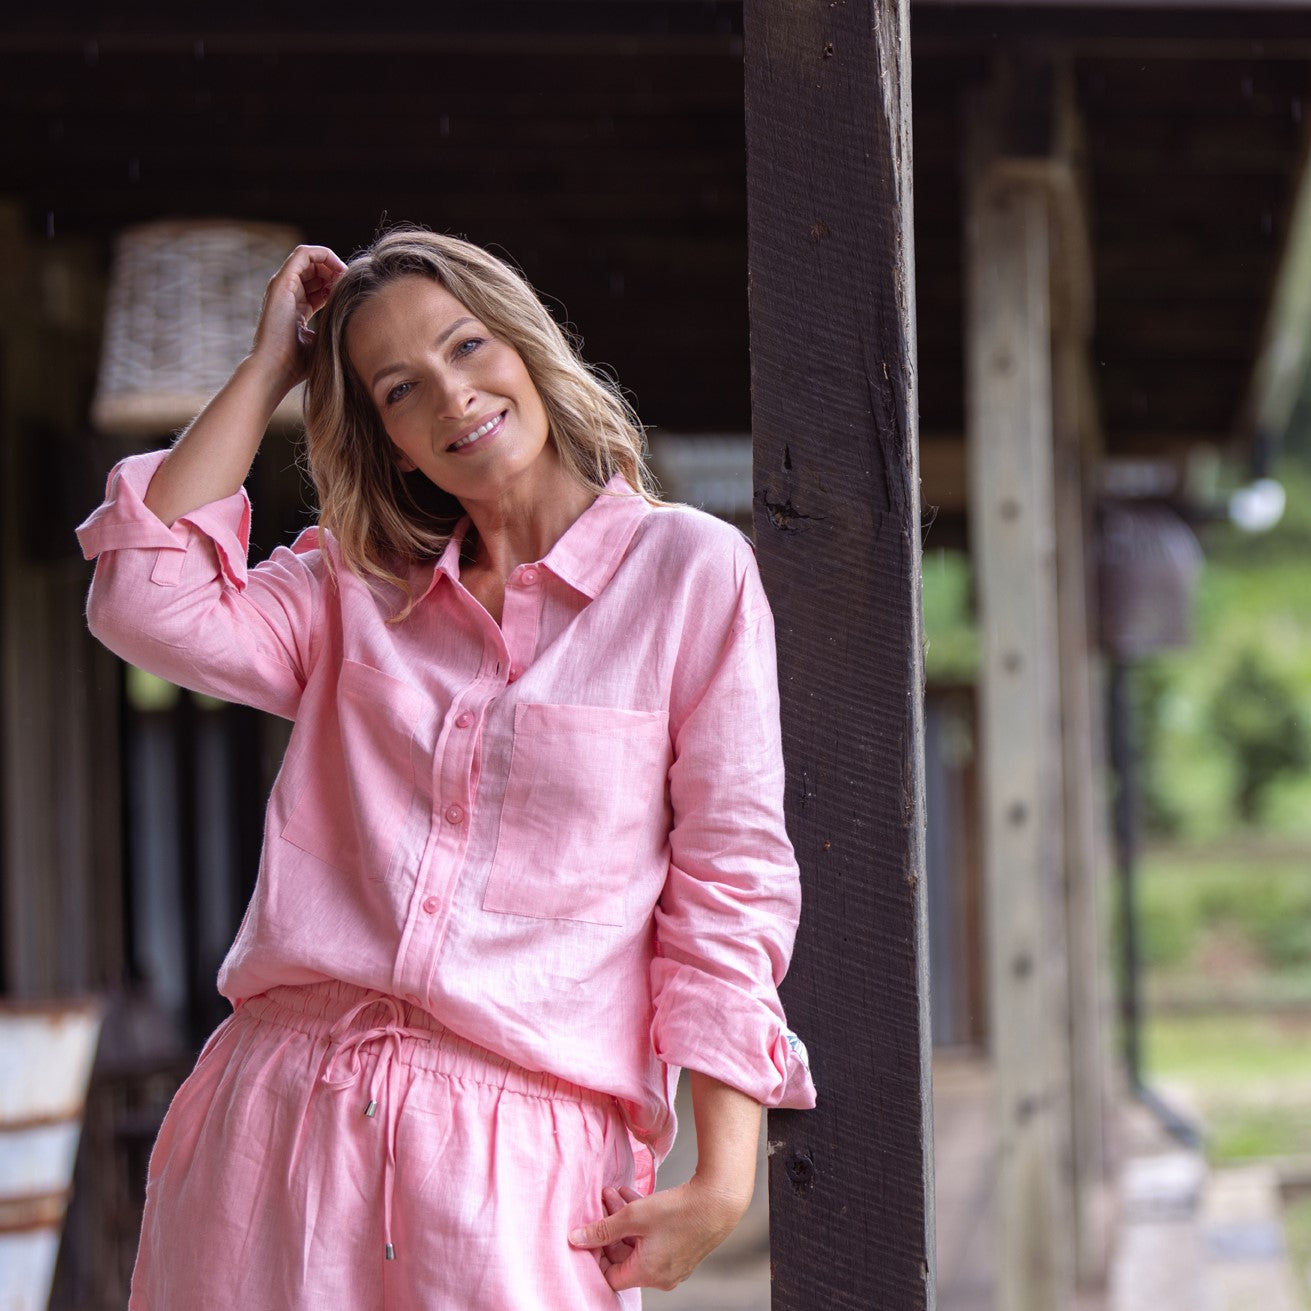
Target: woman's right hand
x: 213, y: 457
x: 296, y: 292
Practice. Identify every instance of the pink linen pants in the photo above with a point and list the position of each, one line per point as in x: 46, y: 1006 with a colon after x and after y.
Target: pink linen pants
x: 339, y: 1149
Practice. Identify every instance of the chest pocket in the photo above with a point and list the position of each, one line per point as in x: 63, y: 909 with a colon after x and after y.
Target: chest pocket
x: 584, y: 800
x: 356, y: 796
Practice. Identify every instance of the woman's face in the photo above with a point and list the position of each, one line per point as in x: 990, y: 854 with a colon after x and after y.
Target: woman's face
x: 457, y: 403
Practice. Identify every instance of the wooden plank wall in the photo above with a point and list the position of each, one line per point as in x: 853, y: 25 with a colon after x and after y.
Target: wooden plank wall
x: 837, y: 515
x: 60, y: 879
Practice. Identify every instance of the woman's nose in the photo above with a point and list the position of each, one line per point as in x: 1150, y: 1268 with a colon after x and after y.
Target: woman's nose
x: 455, y: 396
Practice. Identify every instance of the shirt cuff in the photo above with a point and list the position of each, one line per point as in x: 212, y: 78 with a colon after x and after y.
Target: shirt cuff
x: 704, y: 1024
x: 123, y: 522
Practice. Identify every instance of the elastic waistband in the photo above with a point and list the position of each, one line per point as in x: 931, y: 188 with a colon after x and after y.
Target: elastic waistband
x: 315, y: 1009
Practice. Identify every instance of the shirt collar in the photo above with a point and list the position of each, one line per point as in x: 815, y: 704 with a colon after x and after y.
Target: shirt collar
x: 590, y: 549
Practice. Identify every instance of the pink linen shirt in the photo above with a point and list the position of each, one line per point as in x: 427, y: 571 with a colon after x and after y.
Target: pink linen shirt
x: 562, y: 836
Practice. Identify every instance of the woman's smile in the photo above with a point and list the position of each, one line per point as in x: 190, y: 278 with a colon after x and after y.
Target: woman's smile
x: 489, y: 428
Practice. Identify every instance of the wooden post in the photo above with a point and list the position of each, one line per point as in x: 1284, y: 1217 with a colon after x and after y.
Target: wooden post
x: 1076, y: 434
x: 1012, y: 522
x: 837, y: 517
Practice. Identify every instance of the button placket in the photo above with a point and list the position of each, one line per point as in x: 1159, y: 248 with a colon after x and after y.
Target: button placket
x: 444, y: 855
x: 520, y: 617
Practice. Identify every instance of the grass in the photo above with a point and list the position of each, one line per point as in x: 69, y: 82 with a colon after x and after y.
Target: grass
x: 1248, y: 1076
x: 1227, y: 913
x: 1226, y: 931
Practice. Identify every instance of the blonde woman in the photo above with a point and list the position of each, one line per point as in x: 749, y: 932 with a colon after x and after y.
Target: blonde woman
x: 525, y: 857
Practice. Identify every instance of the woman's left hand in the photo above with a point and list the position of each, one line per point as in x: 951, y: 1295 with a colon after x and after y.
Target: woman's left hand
x: 657, y: 1241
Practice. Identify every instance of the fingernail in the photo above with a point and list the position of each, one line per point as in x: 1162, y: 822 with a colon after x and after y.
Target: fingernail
x: 577, y: 1237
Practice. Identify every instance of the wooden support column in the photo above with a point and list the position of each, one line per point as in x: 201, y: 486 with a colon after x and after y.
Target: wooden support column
x: 1084, y: 809
x: 837, y: 518
x: 1012, y: 520
x: 1077, y: 448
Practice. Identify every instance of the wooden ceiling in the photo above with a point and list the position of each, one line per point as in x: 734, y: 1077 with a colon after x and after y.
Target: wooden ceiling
x: 601, y: 146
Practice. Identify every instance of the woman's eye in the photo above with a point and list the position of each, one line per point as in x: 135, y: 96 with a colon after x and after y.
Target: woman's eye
x: 468, y: 345
x: 398, y: 392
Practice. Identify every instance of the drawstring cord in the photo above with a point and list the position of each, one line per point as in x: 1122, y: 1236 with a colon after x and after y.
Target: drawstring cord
x: 391, y: 1033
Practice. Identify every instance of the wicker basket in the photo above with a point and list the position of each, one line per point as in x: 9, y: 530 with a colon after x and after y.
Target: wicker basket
x: 184, y: 298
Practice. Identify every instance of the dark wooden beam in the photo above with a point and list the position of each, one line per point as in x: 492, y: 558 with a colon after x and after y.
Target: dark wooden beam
x: 837, y: 515
x: 1123, y: 27
x: 449, y: 20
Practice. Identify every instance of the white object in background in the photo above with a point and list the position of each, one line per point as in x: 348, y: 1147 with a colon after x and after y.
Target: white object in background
x: 1257, y: 507
x: 712, y: 472
x: 46, y: 1053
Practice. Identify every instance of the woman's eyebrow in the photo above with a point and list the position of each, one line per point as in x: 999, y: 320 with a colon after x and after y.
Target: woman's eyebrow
x: 400, y: 368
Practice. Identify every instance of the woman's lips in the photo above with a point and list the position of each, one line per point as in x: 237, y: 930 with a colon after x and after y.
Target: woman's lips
x: 488, y: 428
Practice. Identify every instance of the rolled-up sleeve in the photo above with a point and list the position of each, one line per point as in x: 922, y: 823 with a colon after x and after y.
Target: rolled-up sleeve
x: 181, y: 602
x: 727, y: 916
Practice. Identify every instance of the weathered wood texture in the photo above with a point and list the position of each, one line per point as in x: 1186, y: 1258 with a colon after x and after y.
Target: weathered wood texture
x: 1077, y: 450
x: 837, y: 513
x: 1084, y: 814
x: 1009, y: 434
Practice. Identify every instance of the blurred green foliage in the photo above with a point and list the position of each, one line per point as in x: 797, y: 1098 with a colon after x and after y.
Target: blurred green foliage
x: 1225, y: 724
x: 951, y: 643
x: 1257, y: 903
x: 1255, y: 713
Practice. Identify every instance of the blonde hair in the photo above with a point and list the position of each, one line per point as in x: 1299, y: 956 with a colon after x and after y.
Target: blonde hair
x: 383, y: 519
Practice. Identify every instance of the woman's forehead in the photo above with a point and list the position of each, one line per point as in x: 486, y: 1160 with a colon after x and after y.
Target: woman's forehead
x: 406, y: 312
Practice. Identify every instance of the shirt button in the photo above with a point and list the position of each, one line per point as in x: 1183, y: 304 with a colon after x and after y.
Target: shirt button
x: 464, y: 720
x: 528, y: 577
x: 411, y: 998
x: 454, y: 814
x: 431, y: 906
x: 515, y: 671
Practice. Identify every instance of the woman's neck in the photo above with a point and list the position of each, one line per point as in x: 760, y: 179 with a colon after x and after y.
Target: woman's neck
x: 522, y: 525
x: 511, y: 530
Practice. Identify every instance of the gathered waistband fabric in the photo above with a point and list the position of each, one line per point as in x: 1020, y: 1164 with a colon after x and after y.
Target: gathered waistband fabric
x: 317, y: 1009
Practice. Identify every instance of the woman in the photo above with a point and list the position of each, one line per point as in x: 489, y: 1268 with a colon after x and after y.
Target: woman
x: 525, y: 856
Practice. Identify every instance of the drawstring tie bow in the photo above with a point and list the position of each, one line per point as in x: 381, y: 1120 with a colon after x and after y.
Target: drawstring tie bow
x: 348, y: 1044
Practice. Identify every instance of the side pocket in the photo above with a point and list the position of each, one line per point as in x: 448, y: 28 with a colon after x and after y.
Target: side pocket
x: 357, y: 792
x: 586, y: 797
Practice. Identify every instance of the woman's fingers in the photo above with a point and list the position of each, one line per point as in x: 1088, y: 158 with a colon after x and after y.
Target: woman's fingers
x: 297, y: 291
x: 668, y: 1233
x: 614, y: 1228
x: 320, y: 275
x: 613, y: 1200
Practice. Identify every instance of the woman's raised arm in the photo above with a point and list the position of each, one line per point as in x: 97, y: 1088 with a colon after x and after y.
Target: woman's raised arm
x: 213, y: 456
